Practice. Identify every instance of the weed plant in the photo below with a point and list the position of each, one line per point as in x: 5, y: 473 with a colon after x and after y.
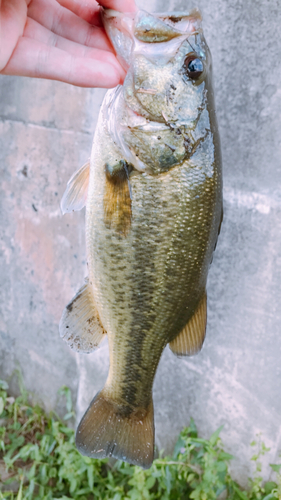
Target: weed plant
x: 39, y: 461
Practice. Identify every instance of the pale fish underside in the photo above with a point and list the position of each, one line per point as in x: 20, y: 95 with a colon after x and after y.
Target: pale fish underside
x: 152, y: 191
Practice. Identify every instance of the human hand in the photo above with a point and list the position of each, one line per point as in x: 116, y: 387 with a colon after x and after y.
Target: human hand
x: 59, y: 40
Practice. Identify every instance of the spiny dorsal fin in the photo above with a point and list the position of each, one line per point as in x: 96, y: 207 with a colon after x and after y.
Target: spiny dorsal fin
x: 190, y: 340
x: 75, y: 195
x: 80, y: 325
x: 105, y: 431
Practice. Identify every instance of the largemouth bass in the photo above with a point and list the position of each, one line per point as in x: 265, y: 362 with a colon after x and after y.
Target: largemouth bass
x: 153, y: 195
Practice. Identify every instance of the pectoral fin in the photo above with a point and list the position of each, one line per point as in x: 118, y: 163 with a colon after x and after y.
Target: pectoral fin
x: 191, y: 338
x: 75, y: 195
x: 80, y: 325
x: 117, y: 198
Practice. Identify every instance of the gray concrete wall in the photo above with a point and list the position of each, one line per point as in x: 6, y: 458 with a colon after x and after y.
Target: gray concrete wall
x: 46, y: 131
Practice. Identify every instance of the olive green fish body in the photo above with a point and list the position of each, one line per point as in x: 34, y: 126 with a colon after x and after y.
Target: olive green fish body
x: 148, y: 284
x: 153, y: 213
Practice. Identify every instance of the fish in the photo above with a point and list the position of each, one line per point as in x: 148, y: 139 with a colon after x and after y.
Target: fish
x: 153, y: 197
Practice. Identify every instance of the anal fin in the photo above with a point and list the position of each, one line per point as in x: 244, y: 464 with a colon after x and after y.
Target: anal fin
x: 190, y: 340
x: 80, y: 325
x: 75, y: 195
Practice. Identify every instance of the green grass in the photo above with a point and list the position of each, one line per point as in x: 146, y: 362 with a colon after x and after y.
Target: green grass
x: 39, y: 460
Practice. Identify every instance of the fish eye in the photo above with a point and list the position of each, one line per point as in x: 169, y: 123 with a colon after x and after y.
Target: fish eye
x: 193, y: 66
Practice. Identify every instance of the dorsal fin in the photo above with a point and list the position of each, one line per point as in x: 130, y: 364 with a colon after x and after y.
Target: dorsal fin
x: 75, y: 195
x: 190, y: 340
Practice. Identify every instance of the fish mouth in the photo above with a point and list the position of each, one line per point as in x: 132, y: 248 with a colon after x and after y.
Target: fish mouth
x: 146, y: 91
x: 139, y: 121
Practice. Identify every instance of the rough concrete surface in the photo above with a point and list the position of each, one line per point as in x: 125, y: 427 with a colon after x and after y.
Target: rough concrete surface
x: 46, y: 131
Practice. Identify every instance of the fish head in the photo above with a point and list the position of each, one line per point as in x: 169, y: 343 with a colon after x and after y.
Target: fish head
x: 168, y: 84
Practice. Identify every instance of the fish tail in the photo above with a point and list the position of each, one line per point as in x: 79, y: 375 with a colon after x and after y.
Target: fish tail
x: 106, y: 430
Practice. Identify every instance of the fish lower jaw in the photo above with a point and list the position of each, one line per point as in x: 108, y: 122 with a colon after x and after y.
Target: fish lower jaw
x: 136, y: 120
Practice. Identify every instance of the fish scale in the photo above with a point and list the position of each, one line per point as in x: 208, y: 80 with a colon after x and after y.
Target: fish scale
x: 176, y: 260
x: 153, y: 213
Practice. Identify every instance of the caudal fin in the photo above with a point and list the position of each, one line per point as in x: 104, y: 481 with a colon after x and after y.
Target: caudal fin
x: 105, y: 432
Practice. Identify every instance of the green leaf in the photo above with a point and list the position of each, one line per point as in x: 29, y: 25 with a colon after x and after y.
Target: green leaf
x: 168, y: 479
x: 65, y: 391
x: 134, y: 494
x: 275, y: 467
x: 117, y: 496
x: 215, y: 435
x: 52, y: 472
x: 43, y: 473
x: 264, y: 449
x: 221, y: 466
x: 90, y: 474
x: 19, y: 495
x: 31, y: 488
x: 51, y: 447
x: 69, y: 415
x: 240, y: 493
x: 1, y: 405
x: 73, y: 484
x: 193, y: 429
x: 226, y: 456
x: 269, y: 487
x: 3, y: 385
x: 180, y: 444
x: 150, y: 482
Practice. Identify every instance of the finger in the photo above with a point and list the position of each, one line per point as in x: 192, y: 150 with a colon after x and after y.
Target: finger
x: 37, y: 32
x: 35, y: 59
x: 89, y: 11
x: 12, y: 21
x: 66, y: 24
x: 120, y: 5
